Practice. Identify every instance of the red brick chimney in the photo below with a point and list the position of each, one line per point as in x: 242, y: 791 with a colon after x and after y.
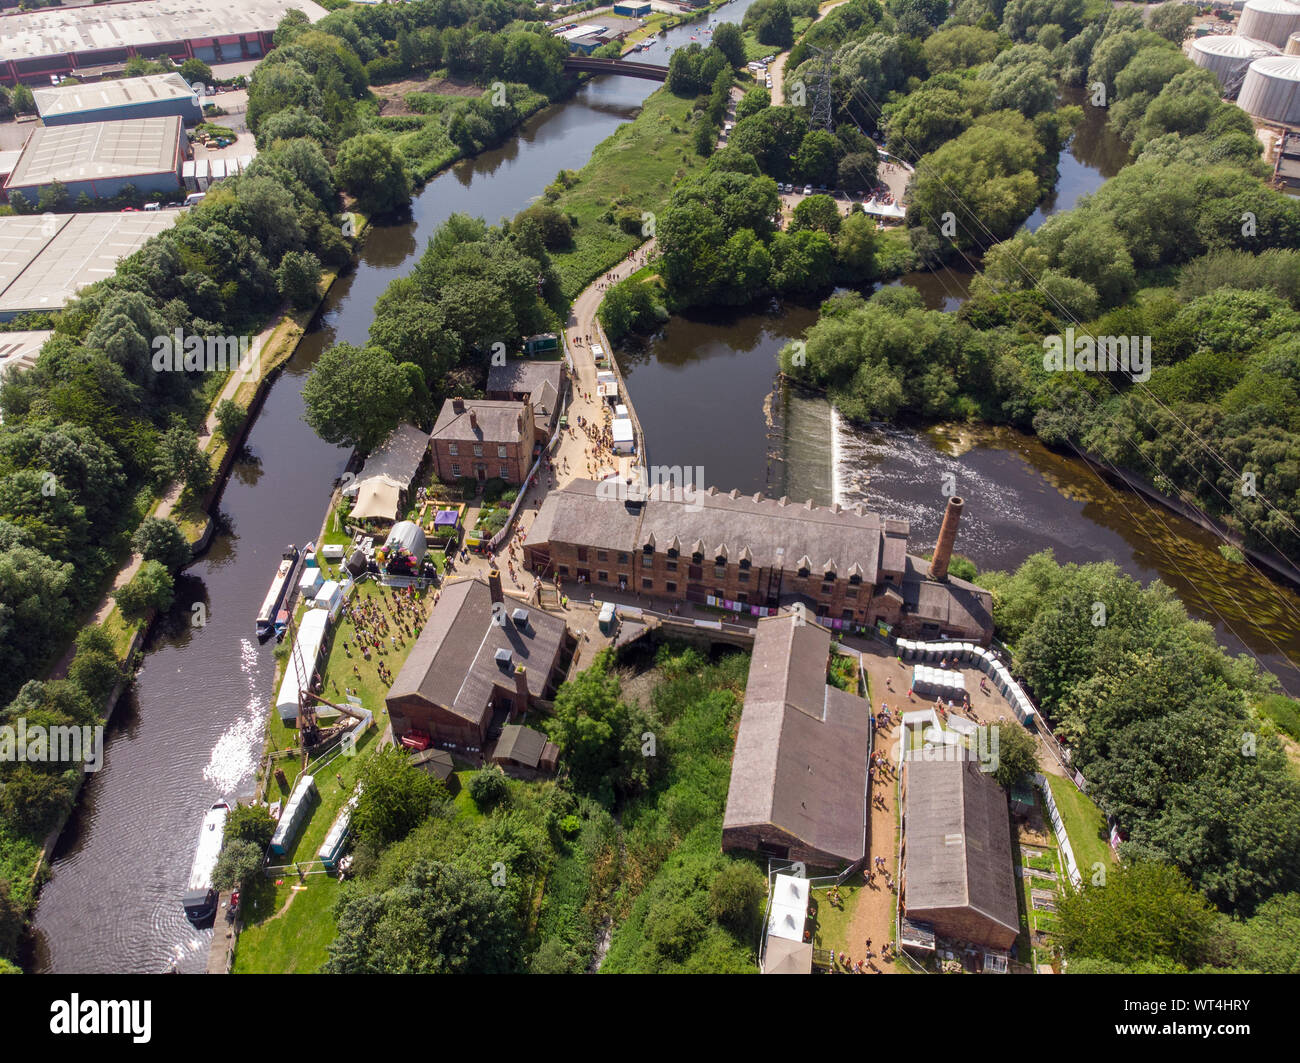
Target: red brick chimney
x: 521, y: 690
x: 494, y: 585
x: 458, y: 405
x: 947, y: 536
x: 473, y: 420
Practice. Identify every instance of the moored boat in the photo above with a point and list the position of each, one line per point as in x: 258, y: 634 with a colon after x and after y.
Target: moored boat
x: 200, y: 898
x: 284, y: 576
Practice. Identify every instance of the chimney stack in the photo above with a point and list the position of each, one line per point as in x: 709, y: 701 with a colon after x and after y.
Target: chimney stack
x: 473, y: 420
x: 947, y: 536
x: 458, y: 405
x: 521, y: 690
x: 494, y: 585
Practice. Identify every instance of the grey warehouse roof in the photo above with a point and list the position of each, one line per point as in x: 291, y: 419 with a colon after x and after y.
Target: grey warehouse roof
x: 79, y: 99
x: 99, y: 150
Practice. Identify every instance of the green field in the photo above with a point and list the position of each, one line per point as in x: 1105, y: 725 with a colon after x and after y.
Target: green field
x: 634, y: 170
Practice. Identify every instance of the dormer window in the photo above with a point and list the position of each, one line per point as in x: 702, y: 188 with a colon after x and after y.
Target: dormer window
x: 855, y: 579
x: 804, y: 573
x: 672, y: 551
x: 745, y: 562
x: 697, y: 558
x: 828, y: 577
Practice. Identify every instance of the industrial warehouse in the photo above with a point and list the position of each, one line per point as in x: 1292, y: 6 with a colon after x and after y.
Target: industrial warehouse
x: 35, y: 44
x: 101, y: 159
x: 45, y: 261
x: 152, y: 96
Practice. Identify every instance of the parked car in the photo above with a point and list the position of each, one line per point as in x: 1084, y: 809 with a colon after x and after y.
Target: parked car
x: 807, y: 190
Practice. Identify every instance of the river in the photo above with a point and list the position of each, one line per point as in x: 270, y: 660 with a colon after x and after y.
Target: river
x: 191, y: 730
x: 703, y: 389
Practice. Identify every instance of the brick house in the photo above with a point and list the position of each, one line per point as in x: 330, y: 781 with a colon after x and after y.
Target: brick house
x: 476, y: 667
x: 485, y: 439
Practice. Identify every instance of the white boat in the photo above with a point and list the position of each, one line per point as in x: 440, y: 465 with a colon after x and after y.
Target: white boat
x: 200, y: 899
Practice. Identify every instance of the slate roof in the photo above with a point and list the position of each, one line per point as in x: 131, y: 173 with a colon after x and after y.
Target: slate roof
x: 952, y: 603
x: 526, y: 376
x: 523, y: 745
x: 498, y: 421
x: 801, y: 749
x: 453, y: 662
x: 958, y: 841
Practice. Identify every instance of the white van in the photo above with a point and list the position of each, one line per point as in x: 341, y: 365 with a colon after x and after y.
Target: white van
x: 193, y: 198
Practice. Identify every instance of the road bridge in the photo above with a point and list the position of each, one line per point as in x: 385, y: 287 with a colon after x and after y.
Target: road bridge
x: 591, y: 65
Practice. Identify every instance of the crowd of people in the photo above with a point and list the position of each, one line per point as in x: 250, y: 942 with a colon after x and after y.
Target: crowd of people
x: 383, y: 622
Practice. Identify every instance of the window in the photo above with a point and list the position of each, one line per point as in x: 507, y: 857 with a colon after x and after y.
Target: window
x: 720, y: 571
x: 602, y: 555
x: 501, y: 451
x: 582, y: 553
x: 603, y: 577
x: 744, y: 576
x: 455, y: 471
x: 852, y: 592
x: 827, y: 588
x: 452, y: 449
x: 670, y: 587
x: 742, y: 597
x: 564, y: 570
x: 504, y: 472
x: 647, y: 584
x: 847, y: 614
x: 622, y: 558
x: 478, y: 450
x: 647, y: 560
x: 671, y: 566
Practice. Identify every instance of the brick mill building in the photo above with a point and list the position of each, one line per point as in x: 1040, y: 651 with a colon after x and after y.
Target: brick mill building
x: 485, y: 439
x: 798, y: 786
x: 753, y: 553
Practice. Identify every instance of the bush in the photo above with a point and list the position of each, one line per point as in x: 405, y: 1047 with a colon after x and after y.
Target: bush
x: 160, y: 539
x: 238, y: 863
x: 151, y: 588
x: 493, y: 489
x: 230, y: 418
x: 250, y: 823
x: 489, y: 787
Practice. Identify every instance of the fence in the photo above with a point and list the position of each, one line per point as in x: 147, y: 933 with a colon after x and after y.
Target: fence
x: 1058, y: 828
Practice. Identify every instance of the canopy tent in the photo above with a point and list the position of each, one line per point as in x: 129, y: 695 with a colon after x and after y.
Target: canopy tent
x: 622, y: 433
x: 884, y: 210
x: 789, y: 908
x: 305, y: 651
x: 783, y: 956
x: 378, y: 498
x: 446, y: 518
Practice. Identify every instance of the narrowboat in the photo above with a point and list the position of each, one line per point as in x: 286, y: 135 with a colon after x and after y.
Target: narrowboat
x: 200, y: 899
x: 266, y: 616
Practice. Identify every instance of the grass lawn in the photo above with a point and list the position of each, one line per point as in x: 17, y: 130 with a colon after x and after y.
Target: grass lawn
x: 634, y: 169
x: 292, y: 941
x: 833, y: 921
x: 1084, y: 825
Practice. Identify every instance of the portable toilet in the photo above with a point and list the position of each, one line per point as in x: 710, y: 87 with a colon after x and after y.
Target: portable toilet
x: 187, y: 176
x: 607, y: 619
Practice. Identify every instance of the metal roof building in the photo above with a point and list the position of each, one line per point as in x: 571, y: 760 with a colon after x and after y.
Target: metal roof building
x: 154, y: 96
x: 101, y: 158
x: 798, y: 785
x: 957, y: 872
x: 44, y: 261
x: 59, y: 40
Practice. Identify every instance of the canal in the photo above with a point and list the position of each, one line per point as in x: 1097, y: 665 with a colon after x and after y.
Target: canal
x: 191, y: 730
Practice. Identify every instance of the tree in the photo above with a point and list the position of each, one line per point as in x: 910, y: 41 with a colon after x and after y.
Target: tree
x: 395, y: 797
x: 297, y: 278
x: 21, y: 100
x: 35, y: 608
x: 196, y: 71
x: 250, y: 823
x: 735, y: 898
x: 161, y: 539
x: 1144, y: 912
x: 355, y: 396
x: 772, y: 23
x: 755, y: 100
x: 240, y: 861
x: 13, y: 919
x: 230, y: 418
x: 150, y: 588
x: 1016, y: 754
x: 817, y: 156
x: 371, y: 170
x: 817, y: 212
x: 1171, y: 21
x: 594, y: 728
x: 180, y: 458
x: 728, y: 39
x: 857, y: 171
x: 488, y: 787
x: 33, y: 801
x: 95, y: 668
x: 439, y: 919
